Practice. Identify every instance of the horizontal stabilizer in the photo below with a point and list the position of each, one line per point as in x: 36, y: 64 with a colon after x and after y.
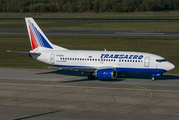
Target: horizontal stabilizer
x: 30, y: 52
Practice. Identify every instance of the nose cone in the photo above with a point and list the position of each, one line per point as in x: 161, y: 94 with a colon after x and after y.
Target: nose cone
x: 170, y: 66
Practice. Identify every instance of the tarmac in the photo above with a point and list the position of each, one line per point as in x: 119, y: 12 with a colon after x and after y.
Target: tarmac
x: 97, y: 33
x: 51, y: 94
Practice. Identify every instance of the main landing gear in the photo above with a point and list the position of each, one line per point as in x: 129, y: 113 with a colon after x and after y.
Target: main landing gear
x: 153, y: 78
x: 91, y: 77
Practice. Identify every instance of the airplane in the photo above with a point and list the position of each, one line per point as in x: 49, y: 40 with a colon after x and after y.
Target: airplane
x: 99, y: 64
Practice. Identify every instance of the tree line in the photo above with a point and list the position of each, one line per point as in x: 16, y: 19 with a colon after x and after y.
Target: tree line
x: 80, y: 6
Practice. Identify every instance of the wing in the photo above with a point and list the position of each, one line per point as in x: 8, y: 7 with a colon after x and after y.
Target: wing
x: 81, y: 68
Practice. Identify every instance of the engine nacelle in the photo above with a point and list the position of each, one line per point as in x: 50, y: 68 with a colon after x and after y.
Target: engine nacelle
x: 106, y: 74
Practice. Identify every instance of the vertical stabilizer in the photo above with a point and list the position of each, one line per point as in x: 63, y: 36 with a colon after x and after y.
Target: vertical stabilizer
x: 37, y: 37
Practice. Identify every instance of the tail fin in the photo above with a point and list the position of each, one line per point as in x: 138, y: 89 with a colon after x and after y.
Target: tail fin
x: 37, y: 37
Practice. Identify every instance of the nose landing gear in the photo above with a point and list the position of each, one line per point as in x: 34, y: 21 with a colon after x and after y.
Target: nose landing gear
x: 155, y: 75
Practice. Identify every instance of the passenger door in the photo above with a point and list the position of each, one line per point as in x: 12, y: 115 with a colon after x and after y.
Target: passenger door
x: 147, y: 61
x: 52, y: 59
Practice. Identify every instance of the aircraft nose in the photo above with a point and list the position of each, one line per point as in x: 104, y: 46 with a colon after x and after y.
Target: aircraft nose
x: 171, y: 66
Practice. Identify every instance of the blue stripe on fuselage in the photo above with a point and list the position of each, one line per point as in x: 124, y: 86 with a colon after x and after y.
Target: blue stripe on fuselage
x: 140, y: 70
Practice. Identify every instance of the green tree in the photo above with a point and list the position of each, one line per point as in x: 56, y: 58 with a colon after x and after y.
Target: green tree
x: 73, y: 7
x: 68, y: 6
x: 105, y: 6
x: 37, y: 7
x: 2, y: 2
x: 96, y: 6
x: 118, y: 8
x: 133, y: 5
x: 166, y: 5
x: 22, y: 6
x: 42, y: 7
x: 61, y: 3
x: 64, y: 8
x: 31, y: 7
x: 176, y: 4
x: 124, y: 5
x: 142, y: 8
x: 15, y: 4
x: 5, y: 7
x: 80, y: 6
x: 57, y: 7
x: 89, y: 4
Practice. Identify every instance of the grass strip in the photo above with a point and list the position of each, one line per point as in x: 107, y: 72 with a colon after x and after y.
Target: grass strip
x: 133, y: 15
x: 95, y: 25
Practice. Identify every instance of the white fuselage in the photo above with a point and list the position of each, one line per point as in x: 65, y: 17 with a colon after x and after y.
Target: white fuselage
x: 124, y: 62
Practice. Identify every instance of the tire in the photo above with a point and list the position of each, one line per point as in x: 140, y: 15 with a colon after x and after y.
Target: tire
x: 153, y: 78
x: 90, y: 77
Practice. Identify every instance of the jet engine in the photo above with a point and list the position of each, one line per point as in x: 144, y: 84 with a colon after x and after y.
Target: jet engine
x: 106, y: 74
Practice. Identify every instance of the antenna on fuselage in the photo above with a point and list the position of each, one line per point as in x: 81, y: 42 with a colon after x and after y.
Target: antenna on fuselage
x: 105, y: 49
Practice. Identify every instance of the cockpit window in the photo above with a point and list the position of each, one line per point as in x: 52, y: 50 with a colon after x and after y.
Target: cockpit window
x: 161, y: 60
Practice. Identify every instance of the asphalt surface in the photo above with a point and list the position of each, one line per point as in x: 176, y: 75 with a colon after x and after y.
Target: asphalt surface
x: 54, y: 95
x: 96, y: 33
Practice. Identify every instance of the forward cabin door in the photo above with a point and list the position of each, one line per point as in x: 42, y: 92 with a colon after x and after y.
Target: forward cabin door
x: 147, y: 61
x: 52, y: 59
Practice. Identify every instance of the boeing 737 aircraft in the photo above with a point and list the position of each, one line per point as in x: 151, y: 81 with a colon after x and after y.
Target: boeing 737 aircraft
x: 99, y: 64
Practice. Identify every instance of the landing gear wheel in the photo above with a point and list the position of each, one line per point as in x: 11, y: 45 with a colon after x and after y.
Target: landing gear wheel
x: 90, y: 77
x: 153, y: 78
